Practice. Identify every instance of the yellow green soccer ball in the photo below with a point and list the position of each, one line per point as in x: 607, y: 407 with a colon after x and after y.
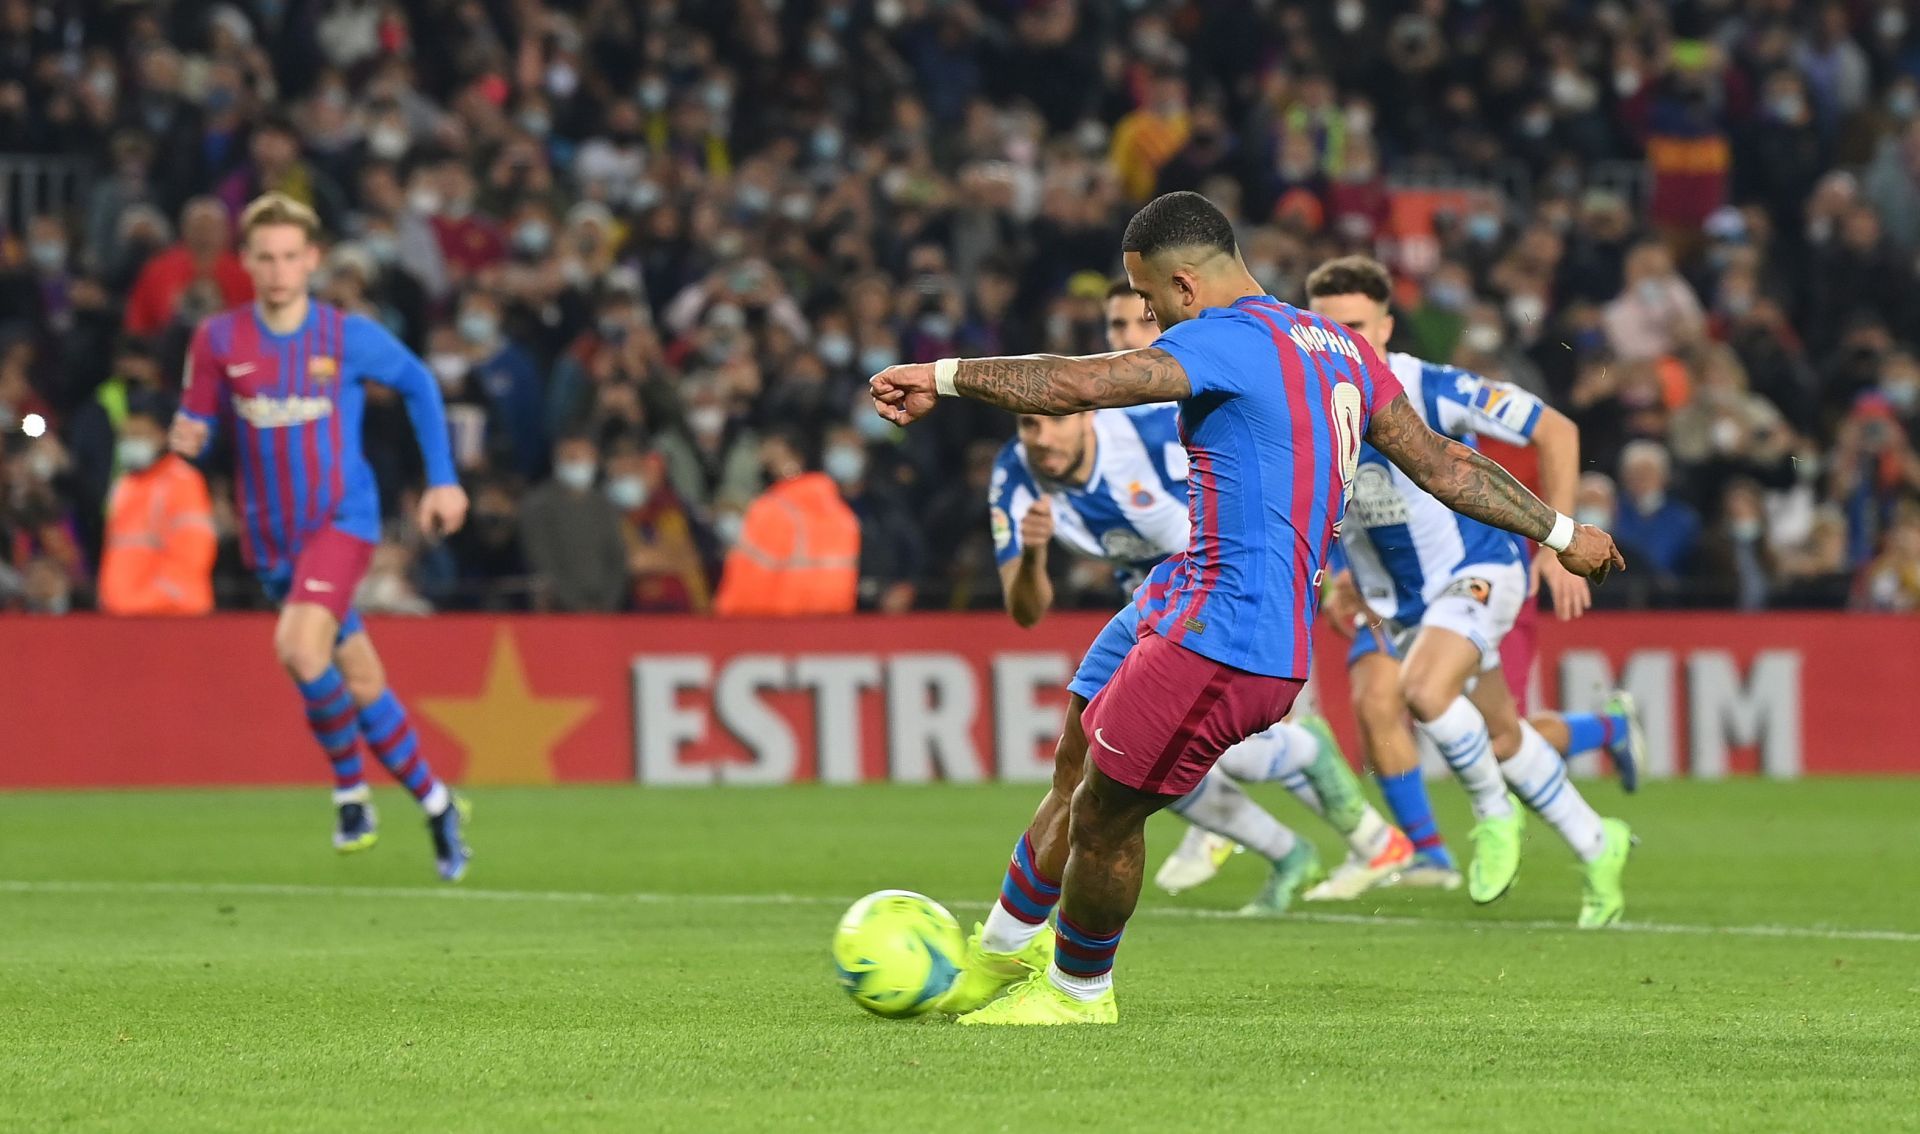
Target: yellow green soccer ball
x: 896, y: 952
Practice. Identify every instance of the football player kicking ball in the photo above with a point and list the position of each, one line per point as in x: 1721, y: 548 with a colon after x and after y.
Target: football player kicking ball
x: 291, y: 375
x: 1458, y: 585
x: 1274, y: 402
x: 1112, y: 485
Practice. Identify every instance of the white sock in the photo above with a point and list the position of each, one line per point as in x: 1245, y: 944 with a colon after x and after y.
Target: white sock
x: 1283, y: 752
x: 356, y: 794
x: 437, y: 799
x: 1369, y: 840
x: 1539, y: 777
x: 1080, y: 987
x: 1006, y: 933
x: 1218, y: 805
x: 1461, y: 735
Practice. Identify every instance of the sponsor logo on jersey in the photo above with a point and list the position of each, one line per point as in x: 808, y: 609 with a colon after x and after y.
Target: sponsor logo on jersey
x: 1479, y: 590
x: 1375, y: 503
x: 263, y: 411
x: 240, y: 369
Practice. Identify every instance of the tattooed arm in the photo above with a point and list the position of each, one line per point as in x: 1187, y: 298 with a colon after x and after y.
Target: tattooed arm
x: 1474, y: 486
x: 1037, y: 383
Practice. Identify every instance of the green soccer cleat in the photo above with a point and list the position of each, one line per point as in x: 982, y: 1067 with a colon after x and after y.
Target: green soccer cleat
x: 984, y: 975
x: 1603, y: 900
x: 1038, y: 1002
x: 1341, y: 799
x: 1496, y: 855
x: 1293, y: 873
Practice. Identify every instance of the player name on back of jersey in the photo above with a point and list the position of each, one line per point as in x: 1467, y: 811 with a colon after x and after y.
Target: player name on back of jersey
x: 263, y: 411
x: 1311, y: 338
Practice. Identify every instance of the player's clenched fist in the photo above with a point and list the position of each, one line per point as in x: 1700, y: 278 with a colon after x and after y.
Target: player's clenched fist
x: 1592, y: 554
x: 187, y: 436
x: 904, y: 394
x: 443, y: 510
x: 1036, y: 527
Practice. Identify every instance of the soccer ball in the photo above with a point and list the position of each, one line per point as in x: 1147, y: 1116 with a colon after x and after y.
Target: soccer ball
x: 896, y: 951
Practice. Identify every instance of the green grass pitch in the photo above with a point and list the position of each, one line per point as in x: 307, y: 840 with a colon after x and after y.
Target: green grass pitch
x: 623, y: 959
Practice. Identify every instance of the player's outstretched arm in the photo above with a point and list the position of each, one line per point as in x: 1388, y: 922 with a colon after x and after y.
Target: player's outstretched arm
x: 381, y: 358
x: 1049, y: 384
x: 1472, y: 485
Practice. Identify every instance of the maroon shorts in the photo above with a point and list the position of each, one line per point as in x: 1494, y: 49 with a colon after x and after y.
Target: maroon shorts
x: 1168, y: 714
x: 329, y: 570
x: 1517, y: 651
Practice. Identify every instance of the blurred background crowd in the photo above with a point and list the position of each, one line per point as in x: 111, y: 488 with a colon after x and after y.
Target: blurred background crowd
x: 651, y: 249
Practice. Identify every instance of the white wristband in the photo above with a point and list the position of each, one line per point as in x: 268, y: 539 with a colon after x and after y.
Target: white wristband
x: 1562, y: 533
x: 944, y: 372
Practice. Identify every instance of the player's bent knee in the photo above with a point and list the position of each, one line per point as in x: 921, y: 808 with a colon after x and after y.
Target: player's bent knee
x: 1426, y: 694
x: 303, y: 659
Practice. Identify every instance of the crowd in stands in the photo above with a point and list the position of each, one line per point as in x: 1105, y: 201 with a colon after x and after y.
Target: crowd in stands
x: 651, y: 249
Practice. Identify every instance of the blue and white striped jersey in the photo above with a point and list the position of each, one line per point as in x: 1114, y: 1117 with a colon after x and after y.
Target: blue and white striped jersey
x: 1402, y: 544
x: 1132, y: 512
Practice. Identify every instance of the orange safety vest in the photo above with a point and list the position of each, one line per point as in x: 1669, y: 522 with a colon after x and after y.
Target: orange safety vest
x: 798, y: 553
x: 160, y: 542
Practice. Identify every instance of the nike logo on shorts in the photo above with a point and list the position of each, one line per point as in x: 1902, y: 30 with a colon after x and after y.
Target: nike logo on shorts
x: 1104, y: 744
x: 318, y: 585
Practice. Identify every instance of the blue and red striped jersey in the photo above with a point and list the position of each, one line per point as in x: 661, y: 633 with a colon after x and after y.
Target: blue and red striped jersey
x: 1281, y: 400
x: 295, y: 403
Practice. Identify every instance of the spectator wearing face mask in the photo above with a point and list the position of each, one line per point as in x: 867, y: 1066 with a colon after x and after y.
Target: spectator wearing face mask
x: 1658, y: 313
x: 664, y: 555
x: 503, y: 374
x: 799, y: 545
x: 572, y: 535
x: 1735, y: 560
x: 1666, y: 531
x: 492, y: 565
x: 892, y: 552
x: 712, y: 460
x: 160, y: 540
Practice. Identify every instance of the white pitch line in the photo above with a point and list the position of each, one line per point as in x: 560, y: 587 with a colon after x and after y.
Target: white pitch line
x: 585, y: 897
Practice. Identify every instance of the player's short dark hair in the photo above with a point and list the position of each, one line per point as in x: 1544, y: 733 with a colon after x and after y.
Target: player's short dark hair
x: 1118, y: 288
x: 1351, y: 275
x: 1178, y: 220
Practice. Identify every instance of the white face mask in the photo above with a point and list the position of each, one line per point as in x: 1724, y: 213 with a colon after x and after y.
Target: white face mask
x: 577, y: 475
x: 1596, y: 516
x: 726, y: 528
x: 136, y: 453
x: 706, y: 420
x: 449, y: 369
x: 1482, y: 338
x: 627, y: 492
x: 845, y: 465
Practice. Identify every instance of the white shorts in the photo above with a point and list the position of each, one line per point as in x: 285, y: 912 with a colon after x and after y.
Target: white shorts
x: 1480, y: 603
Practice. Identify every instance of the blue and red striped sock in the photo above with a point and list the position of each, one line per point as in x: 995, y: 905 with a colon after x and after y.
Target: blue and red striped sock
x: 1406, y: 796
x: 391, y: 738
x: 331, y: 717
x: 1588, y: 732
x: 1084, y: 957
x: 1026, y: 893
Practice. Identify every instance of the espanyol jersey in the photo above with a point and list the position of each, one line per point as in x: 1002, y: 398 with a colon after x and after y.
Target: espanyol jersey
x: 1280, y: 400
x: 1132, y: 512
x: 295, y: 404
x: 1401, y: 543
